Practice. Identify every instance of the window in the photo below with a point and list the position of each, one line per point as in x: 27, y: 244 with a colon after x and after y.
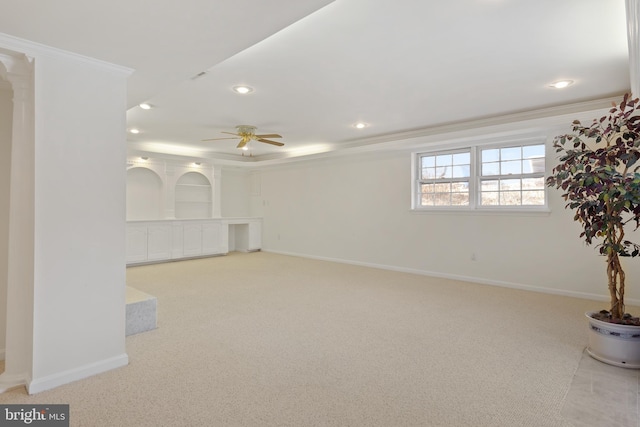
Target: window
x: 444, y: 179
x: 512, y: 176
x: 505, y: 176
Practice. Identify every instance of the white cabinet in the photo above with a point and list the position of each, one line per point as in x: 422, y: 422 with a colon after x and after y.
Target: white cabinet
x: 164, y: 240
x: 192, y: 239
x: 158, y: 242
x: 136, y: 243
x: 214, y: 238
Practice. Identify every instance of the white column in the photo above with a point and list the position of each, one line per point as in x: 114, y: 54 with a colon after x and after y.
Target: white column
x: 170, y: 192
x: 216, y: 187
x: 18, y: 70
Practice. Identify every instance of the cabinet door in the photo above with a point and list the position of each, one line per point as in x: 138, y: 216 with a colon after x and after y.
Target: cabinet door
x: 211, y: 235
x: 158, y: 242
x: 136, y: 243
x: 192, y: 237
x: 177, y: 241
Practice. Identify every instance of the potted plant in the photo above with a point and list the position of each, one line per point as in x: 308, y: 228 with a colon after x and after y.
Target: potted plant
x: 598, y: 173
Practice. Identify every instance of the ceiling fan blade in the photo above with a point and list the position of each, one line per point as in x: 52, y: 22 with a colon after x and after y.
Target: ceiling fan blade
x: 217, y: 139
x: 231, y: 133
x: 242, y: 143
x: 271, y: 135
x: 279, y: 144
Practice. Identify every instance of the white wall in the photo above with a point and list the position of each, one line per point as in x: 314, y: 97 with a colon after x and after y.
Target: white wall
x: 79, y: 264
x: 356, y: 209
x: 235, y: 189
x: 6, y: 114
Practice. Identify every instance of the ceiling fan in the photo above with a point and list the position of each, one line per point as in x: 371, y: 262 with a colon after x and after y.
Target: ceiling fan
x: 247, y: 133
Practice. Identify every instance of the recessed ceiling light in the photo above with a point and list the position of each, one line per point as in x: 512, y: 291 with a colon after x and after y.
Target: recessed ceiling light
x: 134, y: 130
x: 360, y: 125
x: 245, y: 148
x: 242, y: 89
x: 561, y: 84
x: 145, y: 106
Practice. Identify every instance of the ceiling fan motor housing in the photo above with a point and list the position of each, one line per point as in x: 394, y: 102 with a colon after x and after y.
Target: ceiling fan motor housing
x: 246, y: 129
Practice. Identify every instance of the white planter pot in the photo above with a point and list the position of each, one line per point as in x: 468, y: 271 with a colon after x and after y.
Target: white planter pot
x: 617, y: 345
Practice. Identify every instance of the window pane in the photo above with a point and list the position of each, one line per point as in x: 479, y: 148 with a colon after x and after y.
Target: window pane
x: 461, y: 159
x: 492, y: 185
x: 461, y: 171
x: 442, y: 172
x: 529, y: 151
x: 460, y: 199
x: 509, y: 184
x: 460, y: 187
x: 427, y: 188
x: 442, y: 199
x: 492, y: 155
x: 489, y: 169
x: 533, y: 183
x: 510, y: 198
x: 443, y: 160
x: 427, y: 161
x: 426, y: 200
x: 428, y: 173
x: 534, y: 165
x: 490, y: 198
x: 511, y: 153
x: 442, y: 187
x: 511, y: 167
x: 533, y: 198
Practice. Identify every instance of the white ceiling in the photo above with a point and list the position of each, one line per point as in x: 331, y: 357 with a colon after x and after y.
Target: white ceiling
x: 399, y: 65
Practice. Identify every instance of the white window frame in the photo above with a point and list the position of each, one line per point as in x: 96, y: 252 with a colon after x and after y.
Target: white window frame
x: 449, y: 180
x: 474, y: 179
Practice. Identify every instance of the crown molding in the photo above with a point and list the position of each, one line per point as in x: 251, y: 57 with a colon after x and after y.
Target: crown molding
x: 33, y: 49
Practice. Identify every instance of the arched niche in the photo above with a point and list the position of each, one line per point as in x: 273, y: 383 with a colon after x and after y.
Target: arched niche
x: 145, y: 195
x: 193, y: 196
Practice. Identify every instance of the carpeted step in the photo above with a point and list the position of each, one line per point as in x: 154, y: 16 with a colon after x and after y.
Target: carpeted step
x: 141, y: 311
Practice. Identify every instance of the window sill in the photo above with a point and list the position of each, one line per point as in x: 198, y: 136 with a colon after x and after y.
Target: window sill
x: 484, y: 211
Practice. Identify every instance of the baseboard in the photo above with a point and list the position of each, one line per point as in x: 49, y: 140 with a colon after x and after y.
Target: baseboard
x: 51, y: 381
x: 479, y: 280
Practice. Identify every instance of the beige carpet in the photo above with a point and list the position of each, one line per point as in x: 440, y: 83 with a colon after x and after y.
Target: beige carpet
x: 269, y: 340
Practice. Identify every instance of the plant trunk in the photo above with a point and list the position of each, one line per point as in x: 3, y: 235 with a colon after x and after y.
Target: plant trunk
x: 616, y: 284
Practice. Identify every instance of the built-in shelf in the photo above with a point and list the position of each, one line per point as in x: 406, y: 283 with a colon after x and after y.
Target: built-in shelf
x: 193, y: 196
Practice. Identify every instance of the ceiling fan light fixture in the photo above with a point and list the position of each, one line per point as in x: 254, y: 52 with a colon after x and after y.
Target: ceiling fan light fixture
x: 242, y: 89
x: 561, y: 84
